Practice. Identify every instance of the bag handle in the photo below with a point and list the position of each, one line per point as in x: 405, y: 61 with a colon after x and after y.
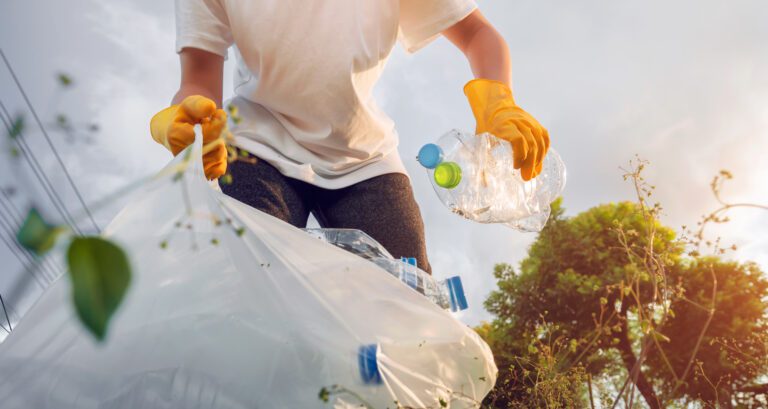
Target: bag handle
x: 196, y: 160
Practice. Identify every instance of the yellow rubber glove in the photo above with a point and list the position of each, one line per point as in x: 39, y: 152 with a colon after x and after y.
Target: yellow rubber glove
x: 497, y: 114
x: 173, y: 128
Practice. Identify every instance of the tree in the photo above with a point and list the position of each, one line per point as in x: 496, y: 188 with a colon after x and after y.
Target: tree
x: 531, y: 367
x: 729, y: 355
x: 604, y: 289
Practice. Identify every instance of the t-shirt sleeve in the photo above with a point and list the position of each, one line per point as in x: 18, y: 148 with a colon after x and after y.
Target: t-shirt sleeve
x: 202, y: 24
x: 421, y: 21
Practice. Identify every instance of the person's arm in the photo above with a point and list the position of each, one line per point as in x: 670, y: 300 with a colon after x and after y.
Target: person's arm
x: 484, y: 47
x: 195, y: 103
x: 490, y: 94
x: 202, y: 73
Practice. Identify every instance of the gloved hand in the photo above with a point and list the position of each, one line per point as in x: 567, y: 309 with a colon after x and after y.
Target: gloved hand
x: 497, y: 114
x: 173, y: 128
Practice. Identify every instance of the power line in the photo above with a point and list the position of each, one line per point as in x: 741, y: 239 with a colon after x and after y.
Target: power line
x: 17, y: 220
x: 15, y: 250
x: 15, y: 247
x: 48, y: 139
x: 37, y: 169
x: 15, y: 217
x: 53, y: 270
x: 2, y: 303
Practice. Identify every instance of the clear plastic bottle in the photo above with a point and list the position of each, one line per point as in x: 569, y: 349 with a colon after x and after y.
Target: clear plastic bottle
x: 474, y: 176
x: 448, y: 293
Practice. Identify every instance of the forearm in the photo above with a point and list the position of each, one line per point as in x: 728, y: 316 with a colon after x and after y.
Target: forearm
x: 188, y: 89
x: 201, y: 74
x: 483, y: 46
x: 488, y: 56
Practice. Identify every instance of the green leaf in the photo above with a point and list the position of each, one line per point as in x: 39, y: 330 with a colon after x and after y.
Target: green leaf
x: 64, y: 79
x: 36, y: 235
x: 100, y: 277
x: 573, y: 345
x: 16, y: 127
x: 443, y: 403
x: 324, y: 394
x: 62, y: 121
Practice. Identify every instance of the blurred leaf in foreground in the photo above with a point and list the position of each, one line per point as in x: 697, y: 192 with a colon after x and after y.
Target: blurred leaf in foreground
x: 16, y: 127
x: 64, y: 79
x: 37, y: 235
x: 100, y: 277
x: 63, y: 122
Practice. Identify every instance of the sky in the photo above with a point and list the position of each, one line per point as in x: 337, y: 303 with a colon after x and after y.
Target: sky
x: 682, y: 84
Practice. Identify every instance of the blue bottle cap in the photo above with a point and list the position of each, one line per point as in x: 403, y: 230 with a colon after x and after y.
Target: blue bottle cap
x: 430, y: 155
x: 369, y: 367
x: 456, y: 292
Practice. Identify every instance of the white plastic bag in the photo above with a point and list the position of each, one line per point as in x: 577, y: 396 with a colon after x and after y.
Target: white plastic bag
x: 232, y: 308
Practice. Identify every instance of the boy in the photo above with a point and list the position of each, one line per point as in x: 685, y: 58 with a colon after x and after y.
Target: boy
x: 305, y: 72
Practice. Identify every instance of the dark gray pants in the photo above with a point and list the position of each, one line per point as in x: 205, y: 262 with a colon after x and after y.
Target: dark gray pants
x: 383, y: 206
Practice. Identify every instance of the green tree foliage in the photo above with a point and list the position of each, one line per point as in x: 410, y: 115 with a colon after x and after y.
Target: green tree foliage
x: 532, y: 370
x: 585, y: 302
x: 731, y: 352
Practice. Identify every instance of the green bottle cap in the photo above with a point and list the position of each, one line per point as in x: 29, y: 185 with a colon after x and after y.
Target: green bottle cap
x: 448, y: 175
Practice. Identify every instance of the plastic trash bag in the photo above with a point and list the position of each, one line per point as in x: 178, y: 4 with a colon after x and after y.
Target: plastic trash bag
x: 232, y: 308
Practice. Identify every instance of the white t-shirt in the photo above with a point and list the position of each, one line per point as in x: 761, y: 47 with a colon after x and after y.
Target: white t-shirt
x: 305, y: 74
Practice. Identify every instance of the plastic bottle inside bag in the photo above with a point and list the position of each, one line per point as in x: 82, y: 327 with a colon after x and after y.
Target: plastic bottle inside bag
x: 474, y: 176
x: 448, y: 293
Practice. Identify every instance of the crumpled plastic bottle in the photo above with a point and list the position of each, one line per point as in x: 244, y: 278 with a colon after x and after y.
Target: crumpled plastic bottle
x: 473, y: 175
